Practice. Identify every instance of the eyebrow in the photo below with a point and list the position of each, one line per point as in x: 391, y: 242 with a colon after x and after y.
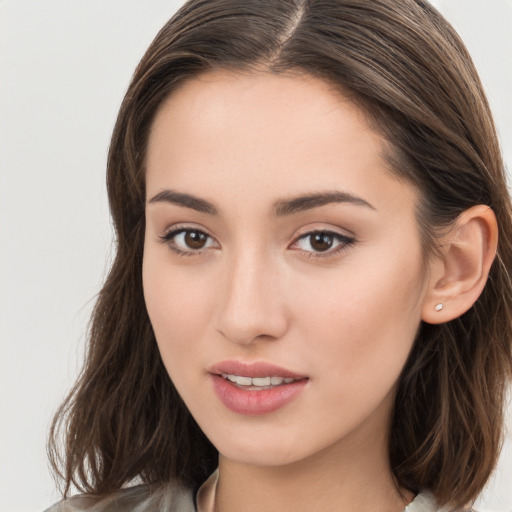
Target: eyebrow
x: 281, y: 208
x: 309, y: 201
x: 186, y: 200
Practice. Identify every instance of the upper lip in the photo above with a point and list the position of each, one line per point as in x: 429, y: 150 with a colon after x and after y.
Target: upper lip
x: 255, y: 369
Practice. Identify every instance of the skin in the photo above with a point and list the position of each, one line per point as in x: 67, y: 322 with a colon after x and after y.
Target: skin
x: 258, y: 291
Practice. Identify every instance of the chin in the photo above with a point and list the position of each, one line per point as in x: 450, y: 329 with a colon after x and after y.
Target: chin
x: 262, y: 456
x: 264, y: 448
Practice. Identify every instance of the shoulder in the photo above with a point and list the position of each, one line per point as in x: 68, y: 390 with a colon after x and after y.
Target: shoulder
x: 426, y: 502
x: 142, y: 498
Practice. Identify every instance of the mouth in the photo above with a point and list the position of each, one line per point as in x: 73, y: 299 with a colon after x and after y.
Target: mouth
x: 237, y: 371
x: 257, y: 383
x: 255, y: 388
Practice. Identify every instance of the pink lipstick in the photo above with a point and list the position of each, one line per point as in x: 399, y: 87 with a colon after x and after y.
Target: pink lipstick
x: 255, y: 388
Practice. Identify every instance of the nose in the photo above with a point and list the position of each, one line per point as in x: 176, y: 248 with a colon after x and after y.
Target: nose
x: 251, y: 307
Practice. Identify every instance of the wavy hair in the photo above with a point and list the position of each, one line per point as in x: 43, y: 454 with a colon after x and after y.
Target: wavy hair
x: 407, y: 69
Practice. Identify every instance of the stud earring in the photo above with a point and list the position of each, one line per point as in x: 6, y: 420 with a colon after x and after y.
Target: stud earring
x: 438, y: 307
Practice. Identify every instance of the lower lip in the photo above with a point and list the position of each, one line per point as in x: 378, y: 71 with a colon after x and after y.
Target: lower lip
x: 253, y: 402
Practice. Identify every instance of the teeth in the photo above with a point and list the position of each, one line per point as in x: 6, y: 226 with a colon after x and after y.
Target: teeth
x: 259, y: 382
x: 244, y: 381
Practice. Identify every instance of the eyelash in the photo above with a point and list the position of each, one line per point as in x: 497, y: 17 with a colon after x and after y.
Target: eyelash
x: 344, y: 242
x: 168, y: 238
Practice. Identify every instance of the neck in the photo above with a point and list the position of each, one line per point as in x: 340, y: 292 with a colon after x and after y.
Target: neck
x: 353, y: 475
x: 291, y: 488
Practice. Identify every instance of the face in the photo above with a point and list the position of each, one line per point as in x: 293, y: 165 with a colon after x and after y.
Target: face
x: 283, y: 272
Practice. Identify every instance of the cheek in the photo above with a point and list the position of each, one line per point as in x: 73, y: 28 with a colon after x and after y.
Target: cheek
x: 365, y: 320
x: 179, y: 305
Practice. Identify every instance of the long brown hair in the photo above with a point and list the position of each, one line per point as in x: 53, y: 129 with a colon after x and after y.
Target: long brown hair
x: 404, y: 65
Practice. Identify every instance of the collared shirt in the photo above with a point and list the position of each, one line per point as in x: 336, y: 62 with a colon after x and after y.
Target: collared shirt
x: 172, y: 498
x: 205, y: 499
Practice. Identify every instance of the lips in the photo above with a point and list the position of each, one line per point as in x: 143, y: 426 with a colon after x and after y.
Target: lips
x: 256, y: 388
x: 257, y: 369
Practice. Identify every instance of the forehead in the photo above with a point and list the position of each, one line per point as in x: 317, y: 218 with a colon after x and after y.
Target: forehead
x: 296, y: 98
x: 283, y: 133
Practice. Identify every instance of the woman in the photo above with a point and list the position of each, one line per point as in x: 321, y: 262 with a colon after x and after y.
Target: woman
x: 309, y: 292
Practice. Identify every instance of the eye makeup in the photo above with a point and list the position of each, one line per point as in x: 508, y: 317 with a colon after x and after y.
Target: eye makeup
x: 319, y: 243
x: 322, y: 243
x: 188, y: 241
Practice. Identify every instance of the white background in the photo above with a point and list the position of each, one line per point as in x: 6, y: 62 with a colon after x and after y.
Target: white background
x: 64, y: 66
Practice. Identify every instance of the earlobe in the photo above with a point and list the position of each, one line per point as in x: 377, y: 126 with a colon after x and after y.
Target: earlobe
x: 459, y: 273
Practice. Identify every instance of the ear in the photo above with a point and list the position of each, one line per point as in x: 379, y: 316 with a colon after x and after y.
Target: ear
x: 458, y: 275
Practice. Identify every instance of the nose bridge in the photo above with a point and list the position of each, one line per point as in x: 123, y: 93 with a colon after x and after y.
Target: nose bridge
x: 250, y: 307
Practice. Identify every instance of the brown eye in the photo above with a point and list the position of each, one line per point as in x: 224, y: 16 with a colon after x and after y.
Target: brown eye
x: 321, y: 241
x: 195, y: 239
x: 189, y: 241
